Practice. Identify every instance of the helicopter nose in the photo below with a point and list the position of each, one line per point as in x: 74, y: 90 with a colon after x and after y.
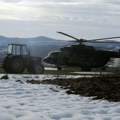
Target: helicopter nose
x: 46, y: 59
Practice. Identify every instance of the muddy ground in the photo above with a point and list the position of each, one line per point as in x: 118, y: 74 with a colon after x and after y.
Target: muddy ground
x: 107, y: 88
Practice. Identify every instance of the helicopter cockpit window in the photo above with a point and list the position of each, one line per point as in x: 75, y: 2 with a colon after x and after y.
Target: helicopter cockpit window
x: 52, y: 55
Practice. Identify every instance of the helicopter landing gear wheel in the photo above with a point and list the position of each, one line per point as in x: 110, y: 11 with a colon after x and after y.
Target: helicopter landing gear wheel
x: 59, y: 68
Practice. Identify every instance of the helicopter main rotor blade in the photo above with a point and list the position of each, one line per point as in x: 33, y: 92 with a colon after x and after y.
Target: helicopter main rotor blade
x: 84, y: 40
x: 104, y: 38
x: 115, y: 42
x: 78, y: 40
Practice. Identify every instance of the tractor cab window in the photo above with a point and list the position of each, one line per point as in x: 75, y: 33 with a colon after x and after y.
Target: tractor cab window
x: 10, y: 49
x: 24, y: 50
x: 15, y: 49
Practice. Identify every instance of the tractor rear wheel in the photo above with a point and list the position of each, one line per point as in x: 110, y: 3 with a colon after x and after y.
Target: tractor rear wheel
x: 17, y: 64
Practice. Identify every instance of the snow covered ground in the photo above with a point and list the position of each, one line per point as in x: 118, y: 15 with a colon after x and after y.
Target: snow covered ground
x: 43, y: 102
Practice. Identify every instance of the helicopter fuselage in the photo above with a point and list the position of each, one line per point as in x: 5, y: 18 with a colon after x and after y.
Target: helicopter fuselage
x: 81, y: 56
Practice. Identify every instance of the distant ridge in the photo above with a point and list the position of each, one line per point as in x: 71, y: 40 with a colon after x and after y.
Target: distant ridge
x: 30, y: 38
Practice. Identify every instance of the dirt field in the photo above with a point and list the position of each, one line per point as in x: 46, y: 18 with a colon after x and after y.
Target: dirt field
x: 107, y: 88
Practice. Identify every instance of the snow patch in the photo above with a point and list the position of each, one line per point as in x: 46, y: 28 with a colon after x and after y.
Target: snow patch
x: 40, y: 102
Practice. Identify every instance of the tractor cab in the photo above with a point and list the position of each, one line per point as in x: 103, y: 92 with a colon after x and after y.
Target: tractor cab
x: 17, y: 49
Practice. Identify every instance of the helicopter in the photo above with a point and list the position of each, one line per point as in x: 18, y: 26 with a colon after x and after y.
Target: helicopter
x: 81, y: 55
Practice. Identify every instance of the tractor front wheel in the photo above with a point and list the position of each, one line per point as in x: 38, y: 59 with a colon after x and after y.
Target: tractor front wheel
x: 36, y: 69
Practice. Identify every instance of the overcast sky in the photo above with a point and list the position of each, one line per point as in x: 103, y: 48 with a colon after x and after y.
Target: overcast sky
x: 81, y: 18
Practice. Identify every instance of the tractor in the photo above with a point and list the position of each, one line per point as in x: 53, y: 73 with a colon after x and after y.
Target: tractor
x: 18, y: 59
